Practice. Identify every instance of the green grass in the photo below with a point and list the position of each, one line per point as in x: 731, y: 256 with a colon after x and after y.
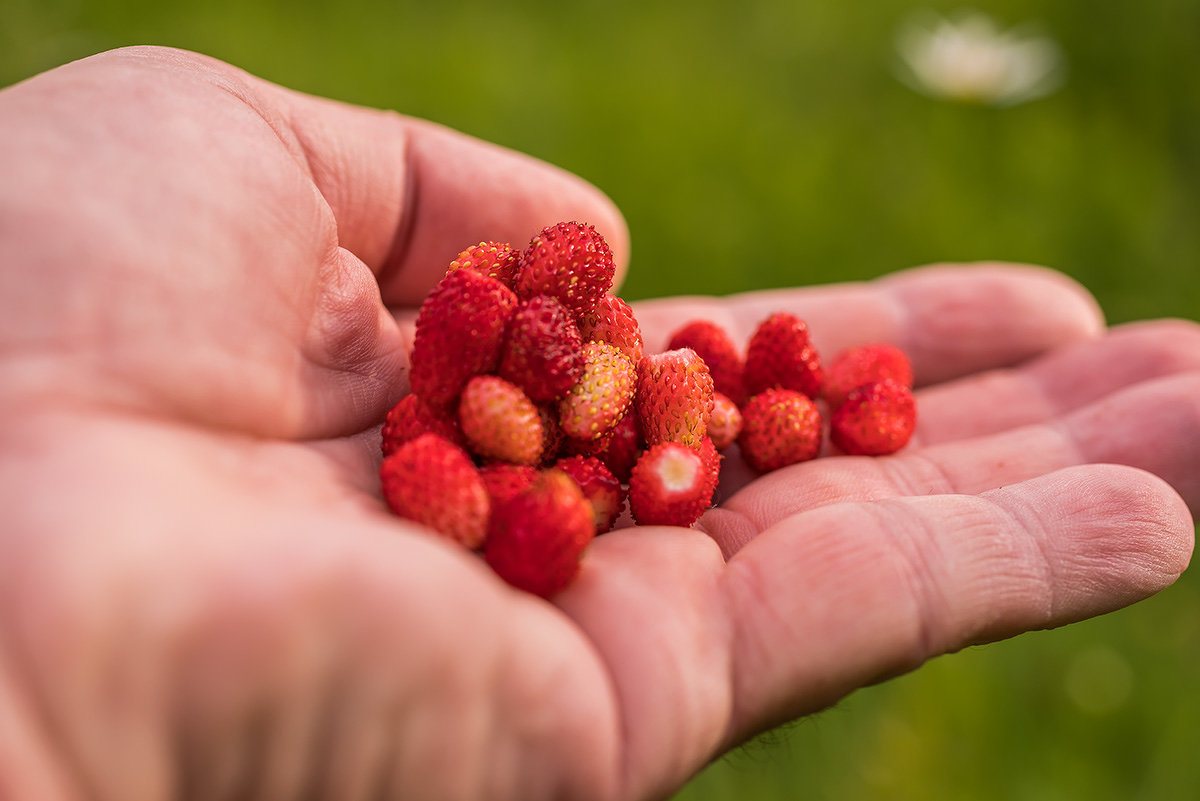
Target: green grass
x: 765, y: 144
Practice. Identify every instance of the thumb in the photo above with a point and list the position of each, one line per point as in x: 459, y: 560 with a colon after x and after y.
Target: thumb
x: 408, y: 195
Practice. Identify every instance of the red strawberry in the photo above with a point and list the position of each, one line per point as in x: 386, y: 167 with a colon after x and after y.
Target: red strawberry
x: 412, y: 417
x: 674, y: 397
x: 711, y: 458
x: 875, y: 419
x: 612, y: 321
x: 542, y: 351
x: 725, y: 423
x: 671, y: 485
x: 569, y: 261
x: 599, y: 486
x: 499, y: 421
x: 781, y: 356
x: 865, y: 364
x: 623, y: 446
x: 504, y: 481
x: 552, y: 434
x: 431, y: 481
x: 572, y: 446
x: 459, y: 330
x: 496, y: 259
x: 714, y: 346
x: 535, y: 541
x: 779, y: 427
x: 601, y: 396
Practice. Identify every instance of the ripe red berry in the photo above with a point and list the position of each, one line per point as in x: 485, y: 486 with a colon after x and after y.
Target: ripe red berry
x: 612, y: 321
x: 600, y: 487
x: 602, y: 394
x: 495, y: 259
x: 875, y: 419
x: 780, y: 356
x: 535, y: 540
x: 552, y: 433
x: 779, y: 427
x: 569, y: 261
x: 431, y: 481
x: 542, y: 351
x: 458, y: 333
x: 671, y: 485
x: 499, y: 421
x: 412, y: 417
x: 623, y: 447
x: 716, y: 348
x: 865, y: 364
x: 674, y: 397
x: 504, y: 481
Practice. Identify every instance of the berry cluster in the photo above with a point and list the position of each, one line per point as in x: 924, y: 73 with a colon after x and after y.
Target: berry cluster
x: 535, y: 415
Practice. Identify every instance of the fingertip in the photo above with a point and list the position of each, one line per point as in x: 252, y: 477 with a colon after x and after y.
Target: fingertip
x: 1133, y: 526
x: 1109, y: 535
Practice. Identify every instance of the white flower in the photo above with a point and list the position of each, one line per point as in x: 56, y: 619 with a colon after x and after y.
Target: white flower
x: 969, y: 59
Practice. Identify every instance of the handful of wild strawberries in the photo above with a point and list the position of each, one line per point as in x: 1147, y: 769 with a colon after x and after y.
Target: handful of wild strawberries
x: 534, y: 413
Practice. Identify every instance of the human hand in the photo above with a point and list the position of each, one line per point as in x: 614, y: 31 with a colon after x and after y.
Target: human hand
x: 202, y: 596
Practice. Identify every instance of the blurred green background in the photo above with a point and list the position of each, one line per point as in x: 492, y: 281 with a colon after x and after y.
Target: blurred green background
x: 769, y: 143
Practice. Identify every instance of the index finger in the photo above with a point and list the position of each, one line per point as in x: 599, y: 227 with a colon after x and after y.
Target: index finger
x: 950, y: 319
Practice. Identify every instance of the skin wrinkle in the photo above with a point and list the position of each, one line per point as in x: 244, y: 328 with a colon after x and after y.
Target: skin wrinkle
x: 915, y: 474
x: 917, y: 553
x: 743, y: 588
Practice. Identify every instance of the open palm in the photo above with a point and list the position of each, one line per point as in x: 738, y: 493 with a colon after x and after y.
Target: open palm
x: 206, y: 289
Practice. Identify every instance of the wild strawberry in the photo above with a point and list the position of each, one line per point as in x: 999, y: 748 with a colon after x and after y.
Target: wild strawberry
x: 601, y: 396
x: 623, y: 446
x: 573, y: 446
x: 779, y: 427
x: 714, y: 346
x: 599, y: 486
x: 412, y: 417
x: 671, y: 485
x: 535, y: 540
x: 459, y: 330
x: 552, y: 433
x: 431, y: 481
x: 725, y: 423
x: 864, y: 364
x: 674, y: 397
x: 499, y: 421
x: 780, y: 356
x: 569, y: 261
x: 496, y: 259
x: 711, y: 459
x: 542, y: 351
x: 612, y: 321
x: 504, y: 481
x: 874, y: 419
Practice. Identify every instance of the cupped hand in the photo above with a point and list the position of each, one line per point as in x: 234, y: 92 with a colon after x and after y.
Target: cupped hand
x: 201, y: 594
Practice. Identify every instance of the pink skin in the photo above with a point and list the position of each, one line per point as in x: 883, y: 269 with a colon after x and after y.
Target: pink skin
x: 201, y: 594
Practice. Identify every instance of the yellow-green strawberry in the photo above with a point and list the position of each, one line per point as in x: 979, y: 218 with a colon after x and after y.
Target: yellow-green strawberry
x: 500, y: 422
x: 602, y: 394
